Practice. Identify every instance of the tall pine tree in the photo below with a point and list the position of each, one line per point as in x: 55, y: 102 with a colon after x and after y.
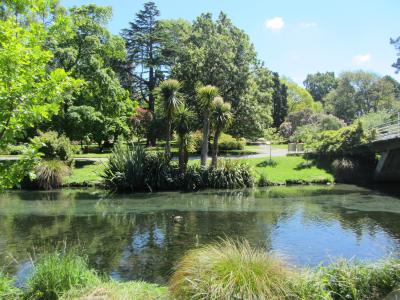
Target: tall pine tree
x: 279, y: 99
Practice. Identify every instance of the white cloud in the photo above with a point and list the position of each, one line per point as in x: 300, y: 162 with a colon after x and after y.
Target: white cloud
x: 306, y: 25
x: 275, y: 24
x: 362, y: 58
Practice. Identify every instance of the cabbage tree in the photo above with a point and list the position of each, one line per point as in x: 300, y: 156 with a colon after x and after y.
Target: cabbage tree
x: 221, y: 118
x: 206, y: 95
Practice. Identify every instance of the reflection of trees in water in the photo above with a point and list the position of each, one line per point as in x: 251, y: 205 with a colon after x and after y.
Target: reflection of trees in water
x: 138, y: 238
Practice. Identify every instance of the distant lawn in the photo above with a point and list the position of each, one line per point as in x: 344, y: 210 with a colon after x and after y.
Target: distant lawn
x: 92, y: 155
x: 288, y: 168
x: 280, y: 146
x: 85, y: 172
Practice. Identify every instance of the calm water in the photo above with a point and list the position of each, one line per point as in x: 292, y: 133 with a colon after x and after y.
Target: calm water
x: 135, y: 237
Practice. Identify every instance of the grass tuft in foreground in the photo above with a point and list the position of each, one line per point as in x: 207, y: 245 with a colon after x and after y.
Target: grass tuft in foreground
x: 118, y: 291
x: 56, y: 274
x: 7, y: 289
x: 230, y: 270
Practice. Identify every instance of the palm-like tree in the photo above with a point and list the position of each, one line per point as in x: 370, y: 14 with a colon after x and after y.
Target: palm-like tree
x: 168, y: 92
x: 221, y: 118
x: 183, y: 125
x: 206, y: 95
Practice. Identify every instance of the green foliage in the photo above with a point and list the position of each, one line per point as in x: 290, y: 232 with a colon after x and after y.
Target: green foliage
x: 320, y: 84
x: 54, y: 147
x: 7, y: 289
x: 280, y: 101
x: 229, y: 270
x: 300, y: 99
x: 50, y: 174
x: 119, y: 291
x: 228, y: 142
x: 89, y: 52
x: 230, y: 174
x: 56, y: 274
x: 12, y: 174
x: 346, y: 280
x: 124, y: 170
x: 195, y: 178
x: 347, y: 141
x: 24, y: 102
x: 130, y: 168
x: 359, y: 93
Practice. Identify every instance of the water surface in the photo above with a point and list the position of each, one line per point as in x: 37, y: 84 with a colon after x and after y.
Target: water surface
x: 135, y: 236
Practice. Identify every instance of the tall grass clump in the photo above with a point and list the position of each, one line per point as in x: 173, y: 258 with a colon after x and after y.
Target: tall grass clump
x: 124, y: 170
x: 7, y: 289
x: 230, y: 174
x: 50, y: 174
x: 357, y: 280
x: 57, y: 273
x: 230, y: 270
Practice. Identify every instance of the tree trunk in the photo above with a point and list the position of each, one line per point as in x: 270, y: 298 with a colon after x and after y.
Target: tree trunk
x: 168, y: 140
x: 204, y: 145
x: 151, y: 139
x: 215, y: 150
x: 182, y: 162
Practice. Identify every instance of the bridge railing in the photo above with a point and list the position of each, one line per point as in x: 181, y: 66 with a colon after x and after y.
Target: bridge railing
x: 388, y: 130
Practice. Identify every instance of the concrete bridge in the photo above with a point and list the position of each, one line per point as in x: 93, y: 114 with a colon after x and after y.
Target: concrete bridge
x: 387, y: 143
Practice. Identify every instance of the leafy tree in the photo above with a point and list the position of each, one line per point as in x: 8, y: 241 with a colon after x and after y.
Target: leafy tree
x: 299, y: 98
x: 396, y: 43
x: 234, y: 70
x: 169, y: 95
x: 253, y: 112
x: 320, y: 84
x: 359, y: 93
x: 221, y: 118
x: 183, y: 120
x: 28, y: 92
x: 279, y: 99
x: 205, y: 96
x: 85, y: 48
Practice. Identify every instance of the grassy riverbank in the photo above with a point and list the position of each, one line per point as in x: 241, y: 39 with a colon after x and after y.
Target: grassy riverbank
x: 282, y: 170
x: 225, y: 270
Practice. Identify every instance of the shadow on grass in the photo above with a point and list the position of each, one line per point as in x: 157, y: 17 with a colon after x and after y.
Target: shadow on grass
x: 268, y: 163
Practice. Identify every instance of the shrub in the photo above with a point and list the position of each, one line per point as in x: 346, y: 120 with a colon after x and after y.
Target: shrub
x: 130, y: 168
x: 197, y: 139
x: 230, y: 174
x: 159, y: 173
x: 7, y: 289
x: 50, y: 174
x: 57, y: 273
x: 195, y: 178
x: 263, y: 181
x: 54, y: 147
x: 344, y: 169
x: 347, y: 141
x: 228, y: 142
x: 16, y: 150
x: 125, y: 168
x: 229, y: 270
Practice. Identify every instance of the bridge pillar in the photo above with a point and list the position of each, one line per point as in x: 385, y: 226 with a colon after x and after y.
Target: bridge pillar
x: 388, y: 168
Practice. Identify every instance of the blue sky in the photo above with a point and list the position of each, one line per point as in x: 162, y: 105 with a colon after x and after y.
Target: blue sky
x: 294, y: 37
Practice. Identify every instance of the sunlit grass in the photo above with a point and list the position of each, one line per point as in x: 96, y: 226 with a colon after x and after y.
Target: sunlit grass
x: 119, y: 291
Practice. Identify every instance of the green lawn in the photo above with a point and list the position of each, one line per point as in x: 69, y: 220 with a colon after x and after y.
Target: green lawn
x: 288, y: 168
x: 280, y: 146
x: 85, y: 173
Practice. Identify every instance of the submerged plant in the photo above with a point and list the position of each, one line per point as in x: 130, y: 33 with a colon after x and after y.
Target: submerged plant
x: 230, y: 270
x: 57, y: 273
